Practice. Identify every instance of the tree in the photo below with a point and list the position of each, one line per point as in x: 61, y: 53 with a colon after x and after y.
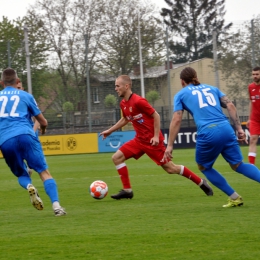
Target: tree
x: 110, y: 28
x: 110, y: 100
x: 119, y: 48
x: 235, y: 61
x: 193, y: 22
x: 12, y: 34
x: 66, y: 22
x: 67, y: 107
x: 152, y: 96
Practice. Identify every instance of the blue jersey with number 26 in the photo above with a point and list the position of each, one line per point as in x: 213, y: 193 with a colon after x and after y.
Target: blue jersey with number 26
x: 16, y: 106
x: 202, y: 102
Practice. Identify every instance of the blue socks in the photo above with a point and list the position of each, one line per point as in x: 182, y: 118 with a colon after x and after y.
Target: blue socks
x: 249, y: 170
x: 24, y: 181
x: 50, y: 187
x: 218, y: 180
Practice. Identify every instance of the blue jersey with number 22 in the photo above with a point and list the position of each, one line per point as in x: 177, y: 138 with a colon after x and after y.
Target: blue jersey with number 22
x: 203, y: 103
x: 16, y: 107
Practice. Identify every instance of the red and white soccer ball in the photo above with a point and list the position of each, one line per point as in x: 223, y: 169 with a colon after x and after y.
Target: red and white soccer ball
x: 98, y: 190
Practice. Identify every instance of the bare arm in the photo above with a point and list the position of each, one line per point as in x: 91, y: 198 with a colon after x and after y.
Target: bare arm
x: 232, y: 111
x: 43, y: 122
x: 173, y: 132
x: 36, y: 125
x: 250, y: 111
x: 156, y: 125
x: 122, y: 122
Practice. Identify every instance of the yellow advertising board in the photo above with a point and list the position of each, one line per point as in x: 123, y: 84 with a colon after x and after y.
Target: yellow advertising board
x: 68, y: 144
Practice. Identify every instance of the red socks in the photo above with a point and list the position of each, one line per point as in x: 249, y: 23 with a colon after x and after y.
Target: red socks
x: 251, y: 159
x: 123, y: 172
x: 190, y: 175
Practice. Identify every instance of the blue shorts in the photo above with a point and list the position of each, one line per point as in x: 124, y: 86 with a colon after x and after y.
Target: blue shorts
x: 24, y: 147
x: 214, y: 140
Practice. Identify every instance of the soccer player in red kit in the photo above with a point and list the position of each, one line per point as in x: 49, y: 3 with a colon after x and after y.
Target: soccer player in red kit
x: 254, y: 118
x: 148, y: 139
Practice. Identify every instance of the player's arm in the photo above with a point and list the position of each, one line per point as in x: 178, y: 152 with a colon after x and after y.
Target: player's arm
x: 156, y: 126
x: 42, y: 121
x: 250, y: 111
x: 36, y: 125
x: 232, y: 111
x: 120, y: 123
x: 173, y: 132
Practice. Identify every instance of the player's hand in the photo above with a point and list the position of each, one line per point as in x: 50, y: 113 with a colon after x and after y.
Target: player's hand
x: 168, y: 154
x: 43, y: 129
x: 104, y: 134
x: 154, y: 141
x: 241, y: 136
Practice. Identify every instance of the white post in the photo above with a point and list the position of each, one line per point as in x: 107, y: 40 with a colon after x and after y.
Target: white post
x: 28, y: 66
x: 215, y: 56
x: 141, y: 59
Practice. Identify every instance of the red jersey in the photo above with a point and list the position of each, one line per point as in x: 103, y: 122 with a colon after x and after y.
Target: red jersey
x: 138, y: 111
x: 254, y: 95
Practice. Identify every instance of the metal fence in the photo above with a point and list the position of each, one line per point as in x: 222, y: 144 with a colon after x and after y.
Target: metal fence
x: 77, y: 122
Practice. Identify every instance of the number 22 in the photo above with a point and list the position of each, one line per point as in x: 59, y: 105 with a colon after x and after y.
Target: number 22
x: 16, y: 100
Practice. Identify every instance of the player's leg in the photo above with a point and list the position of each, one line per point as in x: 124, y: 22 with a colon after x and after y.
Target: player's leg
x: 37, y: 162
x: 51, y: 190
x: 14, y: 152
x: 172, y: 168
x: 233, y: 156
x: 225, y: 144
x: 156, y: 153
x: 209, y: 145
x: 254, y: 129
x: 128, y: 150
x: 252, y: 149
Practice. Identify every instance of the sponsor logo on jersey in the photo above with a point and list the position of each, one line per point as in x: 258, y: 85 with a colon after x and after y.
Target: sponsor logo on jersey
x: 138, y: 116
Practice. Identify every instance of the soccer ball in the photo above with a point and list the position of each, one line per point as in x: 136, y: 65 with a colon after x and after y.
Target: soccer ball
x: 98, y: 190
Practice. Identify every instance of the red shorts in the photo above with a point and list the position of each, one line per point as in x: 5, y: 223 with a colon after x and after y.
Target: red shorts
x: 134, y: 149
x: 254, y: 127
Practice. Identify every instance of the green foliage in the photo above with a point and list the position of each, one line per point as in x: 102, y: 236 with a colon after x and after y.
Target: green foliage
x: 67, y: 107
x: 168, y: 218
x: 12, y: 34
x: 193, y: 22
x: 152, y: 96
x: 110, y: 100
x: 119, y: 44
x: 235, y: 60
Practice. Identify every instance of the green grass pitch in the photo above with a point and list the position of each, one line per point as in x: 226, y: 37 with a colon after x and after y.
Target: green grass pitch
x: 168, y: 218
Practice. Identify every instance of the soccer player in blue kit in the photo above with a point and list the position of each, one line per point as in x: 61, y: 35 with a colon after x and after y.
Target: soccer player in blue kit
x: 18, y: 141
x: 215, y: 135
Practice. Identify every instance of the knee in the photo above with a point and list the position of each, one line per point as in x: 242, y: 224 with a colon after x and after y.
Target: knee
x: 201, y: 168
x: 253, y: 139
x: 117, y: 159
x: 172, y: 168
x: 234, y: 166
x: 114, y: 158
